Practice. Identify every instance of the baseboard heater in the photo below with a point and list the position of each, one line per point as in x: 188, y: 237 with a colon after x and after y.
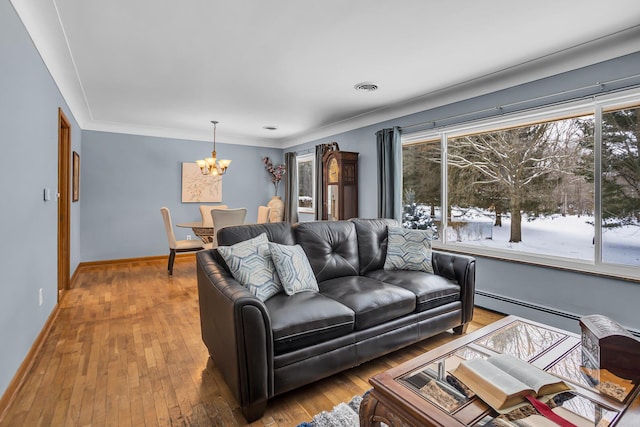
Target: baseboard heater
x: 538, y: 307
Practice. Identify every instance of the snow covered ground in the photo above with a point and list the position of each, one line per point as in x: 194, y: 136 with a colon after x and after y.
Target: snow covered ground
x: 568, y: 236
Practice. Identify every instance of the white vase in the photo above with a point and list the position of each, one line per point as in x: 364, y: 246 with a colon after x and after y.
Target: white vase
x: 277, y: 209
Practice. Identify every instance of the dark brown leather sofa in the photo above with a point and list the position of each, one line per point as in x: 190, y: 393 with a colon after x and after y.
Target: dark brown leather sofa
x: 362, y: 311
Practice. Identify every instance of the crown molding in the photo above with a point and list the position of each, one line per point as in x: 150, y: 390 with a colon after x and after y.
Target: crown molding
x: 187, y: 134
x: 45, y: 29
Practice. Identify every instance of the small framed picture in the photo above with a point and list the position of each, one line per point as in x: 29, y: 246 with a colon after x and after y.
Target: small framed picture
x: 75, y: 189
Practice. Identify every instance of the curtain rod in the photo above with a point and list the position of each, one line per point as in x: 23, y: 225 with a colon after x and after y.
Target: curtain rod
x: 330, y: 145
x: 501, y: 108
x: 306, y: 151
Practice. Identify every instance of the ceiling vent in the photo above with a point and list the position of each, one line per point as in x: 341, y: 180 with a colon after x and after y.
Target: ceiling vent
x: 366, y: 87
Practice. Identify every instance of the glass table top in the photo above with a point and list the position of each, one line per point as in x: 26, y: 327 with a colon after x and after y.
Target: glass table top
x: 521, y: 339
x: 434, y: 383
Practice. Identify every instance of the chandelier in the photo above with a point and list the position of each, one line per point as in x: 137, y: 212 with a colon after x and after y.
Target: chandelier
x: 210, y: 165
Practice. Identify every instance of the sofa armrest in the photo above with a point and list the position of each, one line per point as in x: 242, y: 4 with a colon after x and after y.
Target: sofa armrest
x: 236, y: 329
x: 462, y: 269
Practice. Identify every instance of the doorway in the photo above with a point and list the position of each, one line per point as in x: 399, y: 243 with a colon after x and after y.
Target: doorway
x: 64, y: 208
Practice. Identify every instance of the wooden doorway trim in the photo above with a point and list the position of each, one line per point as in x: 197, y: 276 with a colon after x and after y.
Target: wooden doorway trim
x: 64, y: 207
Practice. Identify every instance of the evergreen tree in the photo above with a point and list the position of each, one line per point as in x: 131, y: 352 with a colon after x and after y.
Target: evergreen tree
x: 415, y: 216
x: 621, y: 167
x: 422, y: 173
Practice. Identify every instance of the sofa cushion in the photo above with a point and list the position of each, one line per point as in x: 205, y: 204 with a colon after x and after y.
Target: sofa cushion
x: 374, y: 302
x: 294, y: 269
x: 372, y: 242
x: 408, y: 249
x: 278, y: 232
x: 331, y: 246
x: 305, y: 319
x: 250, y: 264
x: 430, y: 290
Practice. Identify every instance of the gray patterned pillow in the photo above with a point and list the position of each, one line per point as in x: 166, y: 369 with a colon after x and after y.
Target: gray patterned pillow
x: 408, y: 250
x: 293, y: 268
x: 251, y: 265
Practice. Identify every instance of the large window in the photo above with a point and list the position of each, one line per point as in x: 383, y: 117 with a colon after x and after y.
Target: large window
x: 306, y: 183
x: 524, y: 188
x: 528, y: 187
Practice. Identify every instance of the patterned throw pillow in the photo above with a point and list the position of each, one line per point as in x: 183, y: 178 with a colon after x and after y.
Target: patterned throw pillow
x: 293, y: 268
x: 408, y: 250
x: 251, y: 264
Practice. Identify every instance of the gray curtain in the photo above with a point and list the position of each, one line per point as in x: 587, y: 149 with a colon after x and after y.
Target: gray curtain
x: 291, y: 188
x: 320, y: 149
x: 389, y: 173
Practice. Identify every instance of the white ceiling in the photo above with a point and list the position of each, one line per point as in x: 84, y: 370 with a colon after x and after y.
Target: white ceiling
x: 167, y: 68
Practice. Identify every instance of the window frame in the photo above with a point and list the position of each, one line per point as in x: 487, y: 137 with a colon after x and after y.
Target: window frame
x: 592, y: 106
x: 304, y: 158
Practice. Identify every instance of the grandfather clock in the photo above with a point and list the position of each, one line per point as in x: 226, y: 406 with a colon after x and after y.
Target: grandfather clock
x: 340, y: 189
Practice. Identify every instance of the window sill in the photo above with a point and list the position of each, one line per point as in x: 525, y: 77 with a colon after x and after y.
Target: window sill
x: 620, y: 272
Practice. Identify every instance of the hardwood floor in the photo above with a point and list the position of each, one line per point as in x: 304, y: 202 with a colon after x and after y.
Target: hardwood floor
x: 126, y: 351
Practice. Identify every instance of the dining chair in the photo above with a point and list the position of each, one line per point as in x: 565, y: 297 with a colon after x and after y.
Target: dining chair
x: 263, y: 214
x: 224, y: 218
x: 177, y: 245
x: 205, y: 212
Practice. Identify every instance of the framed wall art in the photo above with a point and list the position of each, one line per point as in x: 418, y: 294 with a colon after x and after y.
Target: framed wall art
x: 199, y: 188
x: 75, y: 186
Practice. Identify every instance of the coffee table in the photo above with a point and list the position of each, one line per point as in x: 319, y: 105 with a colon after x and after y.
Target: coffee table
x: 420, y: 392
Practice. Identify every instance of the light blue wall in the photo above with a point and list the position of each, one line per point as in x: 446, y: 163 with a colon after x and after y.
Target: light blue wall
x: 126, y: 179
x: 549, y: 295
x: 29, y: 101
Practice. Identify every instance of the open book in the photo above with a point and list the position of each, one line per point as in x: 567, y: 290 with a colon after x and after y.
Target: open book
x: 540, y: 421
x: 503, y: 381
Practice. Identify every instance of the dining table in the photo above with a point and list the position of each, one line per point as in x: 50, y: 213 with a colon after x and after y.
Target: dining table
x: 205, y: 233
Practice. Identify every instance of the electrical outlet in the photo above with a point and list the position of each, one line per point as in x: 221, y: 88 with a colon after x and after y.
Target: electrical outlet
x: 188, y: 236
x: 40, y: 297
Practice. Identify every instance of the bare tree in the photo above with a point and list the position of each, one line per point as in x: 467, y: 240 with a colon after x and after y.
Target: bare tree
x: 517, y: 161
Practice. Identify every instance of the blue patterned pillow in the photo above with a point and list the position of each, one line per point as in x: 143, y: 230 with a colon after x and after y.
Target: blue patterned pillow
x: 293, y: 268
x: 251, y: 265
x: 408, y: 249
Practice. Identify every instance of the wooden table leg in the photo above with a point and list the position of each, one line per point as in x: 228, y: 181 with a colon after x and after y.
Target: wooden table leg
x: 374, y: 413
x: 367, y: 410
